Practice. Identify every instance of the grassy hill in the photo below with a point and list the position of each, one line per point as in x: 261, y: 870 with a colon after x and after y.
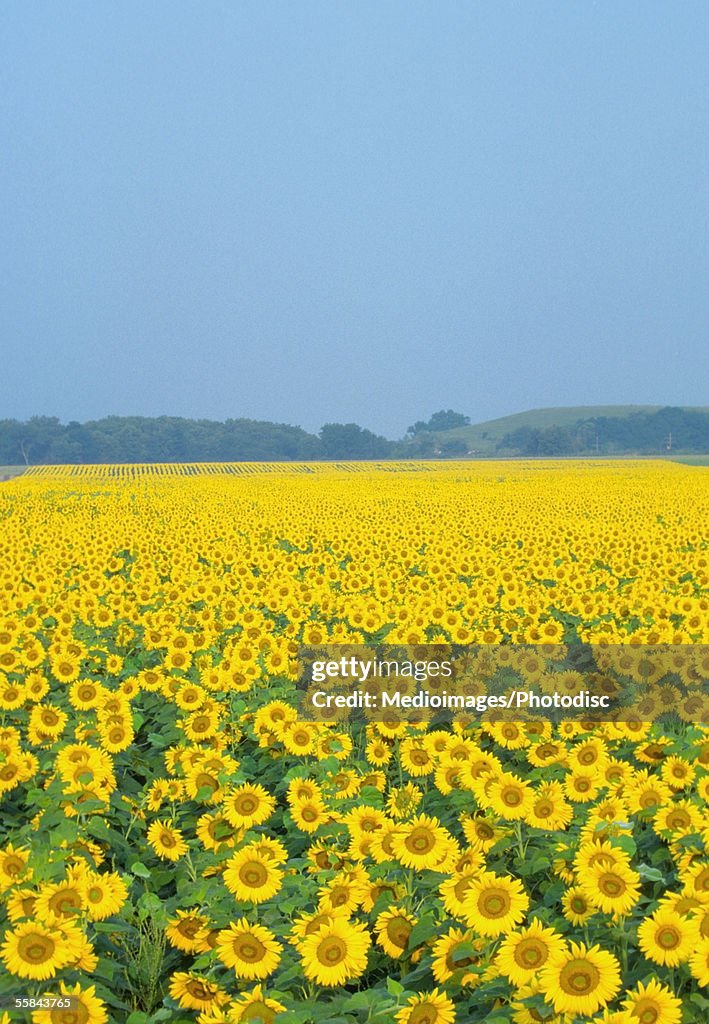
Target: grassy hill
x: 483, y: 438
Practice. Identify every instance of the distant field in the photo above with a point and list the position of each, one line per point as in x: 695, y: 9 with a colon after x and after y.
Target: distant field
x: 691, y: 460
x: 7, y: 471
x: 484, y: 437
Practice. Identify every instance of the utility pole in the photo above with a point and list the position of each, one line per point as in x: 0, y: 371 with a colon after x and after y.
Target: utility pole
x: 668, y: 443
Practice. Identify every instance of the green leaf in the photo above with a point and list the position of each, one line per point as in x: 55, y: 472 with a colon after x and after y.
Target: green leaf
x: 651, y: 874
x: 140, y: 869
x: 97, y: 827
x: 625, y: 843
x: 422, y: 930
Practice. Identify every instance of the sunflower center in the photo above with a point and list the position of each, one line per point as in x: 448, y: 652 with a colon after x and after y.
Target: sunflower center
x: 578, y: 905
x: 531, y: 953
x: 579, y: 977
x: 204, y: 781
x: 248, y: 948
x: 646, y: 1011
x: 611, y: 885
x: 13, y: 866
x: 460, y: 888
x: 188, y: 927
x: 678, y: 819
x: 253, y: 874
x: 245, y: 804
x: 79, y: 1014
x: 649, y: 799
x: 484, y: 831
x: 494, y: 903
x: 511, y: 797
x: 331, y: 951
x: 587, y: 757
x: 398, y: 930
x: 65, y: 902
x: 420, y: 841
x: 424, y: 1014
x: 259, y: 1012
x: 668, y: 937
x: 543, y: 809
x: 339, y: 896
x: 199, y: 991
x: 308, y: 813
x: 36, y: 949
x: 167, y: 840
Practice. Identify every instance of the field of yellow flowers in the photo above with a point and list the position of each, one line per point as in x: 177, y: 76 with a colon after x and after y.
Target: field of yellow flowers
x: 177, y: 846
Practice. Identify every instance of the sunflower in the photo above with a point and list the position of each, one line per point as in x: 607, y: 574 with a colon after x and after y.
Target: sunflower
x: 342, y: 894
x: 251, y: 877
x: 402, y: 801
x: 427, y: 1008
x: 696, y: 880
x: 699, y: 963
x: 678, y: 818
x: 510, y: 797
x: 35, y: 950
x: 524, y: 953
x: 481, y: 833
x: 309, y: 815
x: 59, y: 900
x: 576, y: 906
x: 308, y: 924
x: 166, y: 840
x: 254, y: 1006
x: 580, y: 980
x: 13, y: 865
x: 195, y: 993
x: 614, y: 889
x: 214, y: 831
x: 652, y: 1004
x: 246, y: 806
x: 454, y: 890
x: 549, y: 809
x: 667, y: 937
x: 454, y: 952
x: 21, y: 903
x: 187, y: 931
x: 335, y: 953
x: 494, y: 904
x: 677, y: 773
x: 103, y: 895
x: 421, y: 844
x: 250, y: 949
x: 581, y: 787
x: 393, y: 928
x: 85, y: 1007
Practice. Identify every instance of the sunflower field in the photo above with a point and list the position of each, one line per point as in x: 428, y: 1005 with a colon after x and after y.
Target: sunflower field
x: 178, y: 846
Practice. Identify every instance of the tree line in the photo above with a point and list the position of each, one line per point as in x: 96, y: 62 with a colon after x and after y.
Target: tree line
x: 643, y: 433
x: 44, y: 440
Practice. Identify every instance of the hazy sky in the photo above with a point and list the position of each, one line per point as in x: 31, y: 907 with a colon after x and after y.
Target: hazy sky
x: 363, y: 210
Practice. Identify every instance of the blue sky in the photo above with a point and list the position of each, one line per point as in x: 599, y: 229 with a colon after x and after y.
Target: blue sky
x: 360, y: 211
